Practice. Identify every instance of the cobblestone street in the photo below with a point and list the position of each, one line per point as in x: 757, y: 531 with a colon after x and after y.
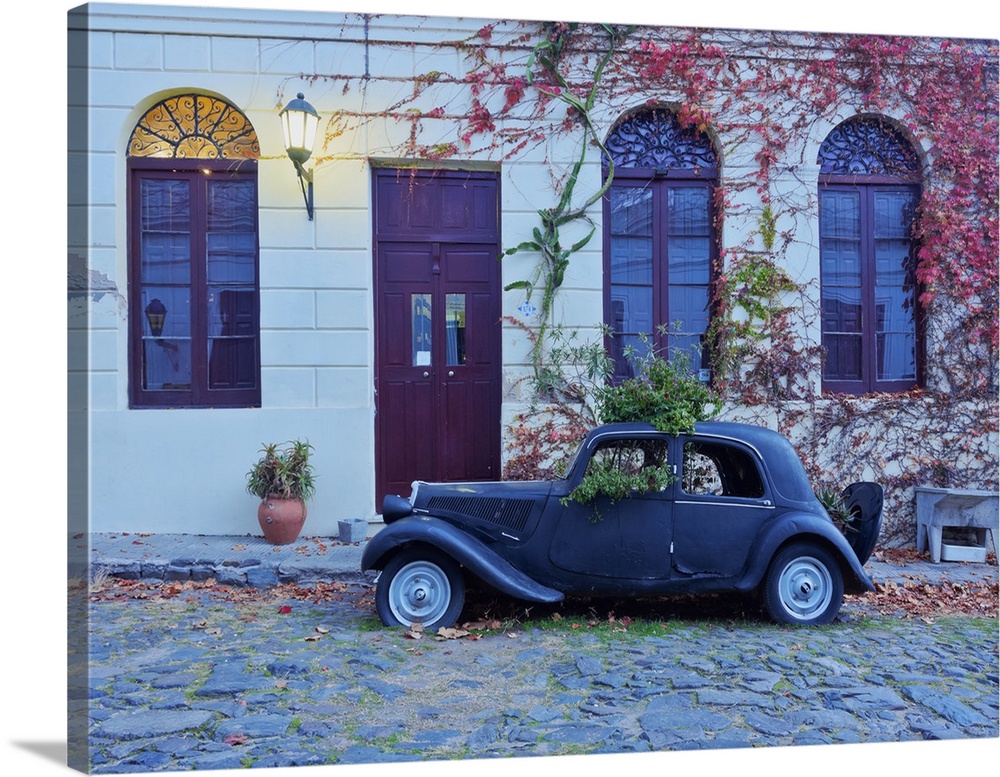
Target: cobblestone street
x: 201, y: 680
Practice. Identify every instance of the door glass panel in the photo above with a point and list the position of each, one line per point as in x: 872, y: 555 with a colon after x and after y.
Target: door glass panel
x: 690, y: 232
x: 420, y: 316
x: 455, y: 329
x: 895, y: 343
x: 840, y: 258
x: 631, y: 273
x: 231, y: 269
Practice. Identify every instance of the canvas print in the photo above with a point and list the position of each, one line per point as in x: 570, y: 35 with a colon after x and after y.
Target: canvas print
x: 465, y: 389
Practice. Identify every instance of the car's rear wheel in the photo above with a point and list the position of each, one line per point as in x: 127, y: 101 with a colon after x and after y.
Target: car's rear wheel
x: 804, y: 586
x: 420, y: 587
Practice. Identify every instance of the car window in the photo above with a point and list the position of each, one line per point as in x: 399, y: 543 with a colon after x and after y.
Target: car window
x: 720, y: 469
x: 642, y: 459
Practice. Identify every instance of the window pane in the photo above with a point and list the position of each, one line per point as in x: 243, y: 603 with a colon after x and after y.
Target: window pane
x: 231, y: 258
x: 166, y: 311
x: 455, y: 329
x: 689, y: 211
x: 843, y: 357
x: 841, y: 262
x: 631, y: 319
x: 631, y: 211
x: 631, y: 235
x: 630, y: 458
x: 693, y: 347
x: 165, y: 231
x: 166, y: 364
x: 711, y: 469
x: 230, y: 206
x: 689, y: 259
x: 231, y: 238
x: 232, y: 341
x: 840, y: 215
x: 894, y: 215
x: 232, y: 362
x: 840, y: 266
x: 165, y: 206
x: 688, y: 309
x: 420, y: 308
x: 232, y: 312
x: 842, y: 310
x: 897, y: 356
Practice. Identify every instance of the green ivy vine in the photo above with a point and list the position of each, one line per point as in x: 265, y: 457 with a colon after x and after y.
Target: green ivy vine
x: 546, y: 241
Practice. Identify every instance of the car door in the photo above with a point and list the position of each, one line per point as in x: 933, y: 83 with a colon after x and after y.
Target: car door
x: 721, y: 500
x: 618, y: 539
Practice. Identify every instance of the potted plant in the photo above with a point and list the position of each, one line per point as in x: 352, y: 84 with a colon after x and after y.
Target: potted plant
x: 284, y: 481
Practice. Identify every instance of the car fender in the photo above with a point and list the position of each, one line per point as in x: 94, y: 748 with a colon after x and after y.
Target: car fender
x: 481, y: 560
x: 807, y: 527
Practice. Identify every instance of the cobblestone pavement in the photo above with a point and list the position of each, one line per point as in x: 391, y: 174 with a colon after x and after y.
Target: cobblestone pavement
x: 205, y: 679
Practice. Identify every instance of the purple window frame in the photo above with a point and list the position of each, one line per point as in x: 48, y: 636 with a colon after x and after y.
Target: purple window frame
x: 659, y: 182
x: 199, y: 393
x: 651, y: 150
x: 865, y: 188
x: 865, y: 157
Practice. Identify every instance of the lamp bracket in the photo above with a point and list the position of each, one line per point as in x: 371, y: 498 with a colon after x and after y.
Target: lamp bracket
x: 306, y: 184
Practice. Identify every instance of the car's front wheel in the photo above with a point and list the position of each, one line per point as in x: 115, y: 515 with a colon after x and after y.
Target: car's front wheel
x: 804, y: 586
x: 420, y: 587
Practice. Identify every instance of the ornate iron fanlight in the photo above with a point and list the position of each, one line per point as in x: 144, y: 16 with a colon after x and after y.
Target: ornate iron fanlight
x: 194, y: 126
x: 867, y: 147
x: 655, y: 139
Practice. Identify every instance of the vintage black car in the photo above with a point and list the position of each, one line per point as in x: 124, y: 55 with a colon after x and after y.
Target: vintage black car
x: 736, y: 513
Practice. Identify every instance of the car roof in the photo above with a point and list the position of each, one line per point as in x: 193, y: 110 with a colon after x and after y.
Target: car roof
x: 753, y: 435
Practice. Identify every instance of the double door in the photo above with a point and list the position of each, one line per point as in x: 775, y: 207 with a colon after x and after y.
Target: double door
x: 437, y: 328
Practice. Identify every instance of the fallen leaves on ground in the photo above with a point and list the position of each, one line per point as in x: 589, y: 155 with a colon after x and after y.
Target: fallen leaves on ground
x: 913, y: 598
x: 916, y: 599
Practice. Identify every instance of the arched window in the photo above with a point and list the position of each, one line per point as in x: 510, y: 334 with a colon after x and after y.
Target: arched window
x: 868, y: 195
x: 194, y: 329
x: 659, y: 238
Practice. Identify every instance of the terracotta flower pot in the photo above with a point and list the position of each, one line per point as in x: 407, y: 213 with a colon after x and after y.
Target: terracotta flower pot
x: 281, y: 519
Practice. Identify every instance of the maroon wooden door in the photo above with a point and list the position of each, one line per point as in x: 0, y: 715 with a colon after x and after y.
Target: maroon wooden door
x: 437, y: 321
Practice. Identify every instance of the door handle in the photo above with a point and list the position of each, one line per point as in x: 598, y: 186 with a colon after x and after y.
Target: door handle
x: 427, y: 374
x: 451, y: 373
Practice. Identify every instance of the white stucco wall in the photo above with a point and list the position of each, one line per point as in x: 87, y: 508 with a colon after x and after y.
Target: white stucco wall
x: 183, y: 470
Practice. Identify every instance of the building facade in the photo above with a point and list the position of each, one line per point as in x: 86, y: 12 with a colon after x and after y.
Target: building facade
x: 775, y: 205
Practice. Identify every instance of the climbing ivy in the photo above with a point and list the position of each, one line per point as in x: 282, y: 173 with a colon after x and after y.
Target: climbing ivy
x: 765, y: 98
x: 554, y: 257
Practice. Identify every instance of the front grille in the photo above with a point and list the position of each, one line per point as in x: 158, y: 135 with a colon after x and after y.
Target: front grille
x: 508, y: 513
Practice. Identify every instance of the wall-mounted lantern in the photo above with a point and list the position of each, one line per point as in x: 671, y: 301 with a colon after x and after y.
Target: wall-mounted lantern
x: 299, y: 122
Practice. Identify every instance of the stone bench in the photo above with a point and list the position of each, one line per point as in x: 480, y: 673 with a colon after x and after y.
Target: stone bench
x: 938, y: 508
